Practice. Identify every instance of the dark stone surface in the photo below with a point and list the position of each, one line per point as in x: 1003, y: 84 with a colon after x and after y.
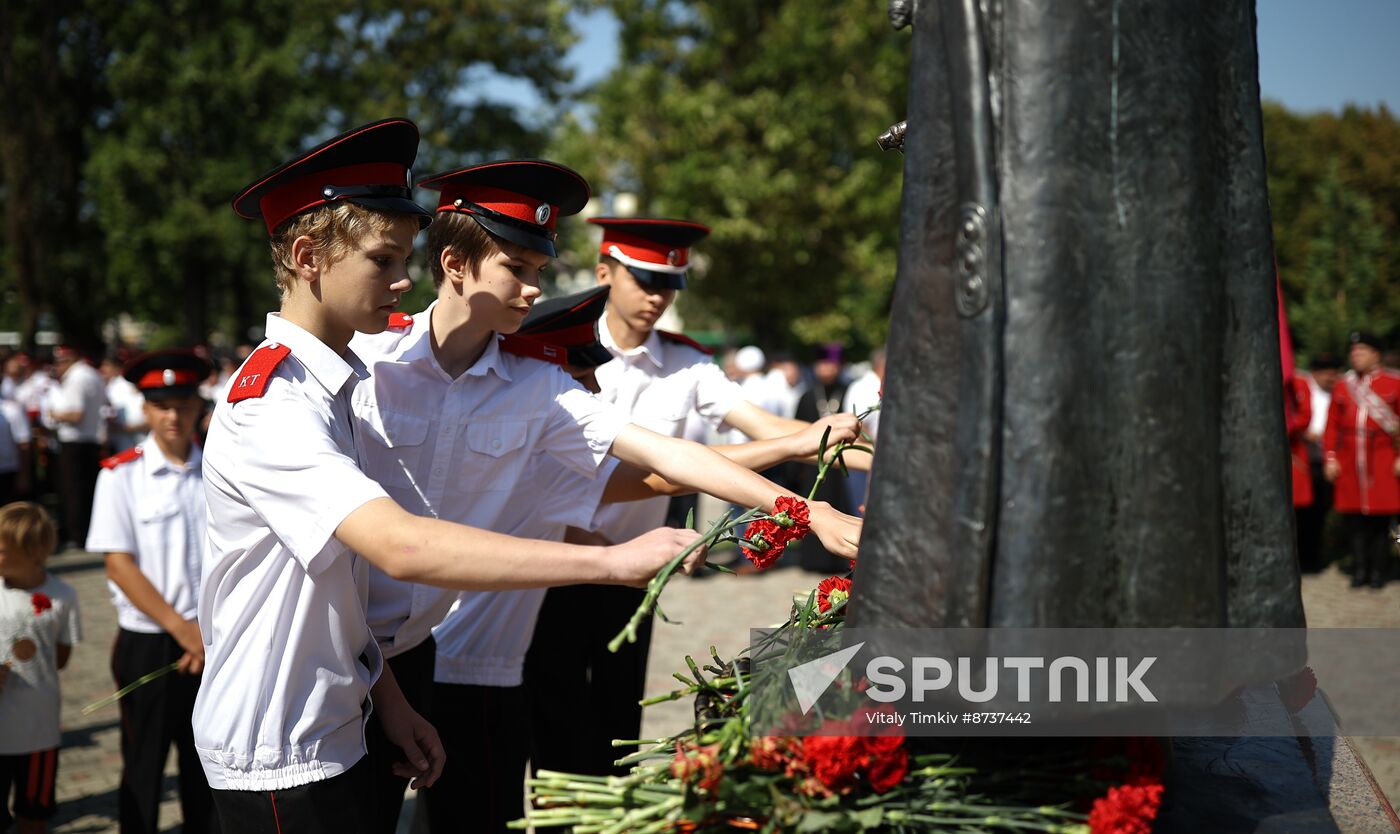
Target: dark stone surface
x: 1083, y: 427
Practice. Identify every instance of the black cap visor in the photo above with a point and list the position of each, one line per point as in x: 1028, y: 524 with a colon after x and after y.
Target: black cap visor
x: 393, y: 204
x: 657, y: 280
x: 589, y: 356
x: 515, y: 234
x: 171, y: 392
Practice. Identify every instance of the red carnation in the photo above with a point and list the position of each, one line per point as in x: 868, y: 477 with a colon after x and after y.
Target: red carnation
x: 887, y: 770
x: 1127, y: 809
x: 41, y: 602
x: 772, y: 753
x: 832, y: 591
x: 699, y: 766
x: 765, y: 542
x: 792, y: 512
x: 834, y: 759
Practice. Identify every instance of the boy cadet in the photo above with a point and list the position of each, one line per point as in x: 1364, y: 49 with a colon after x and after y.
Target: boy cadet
x: 479, y: 704
x: 289, y: 658
x: 450, y: 422
x: 148, y: 516
x: 659, y: 379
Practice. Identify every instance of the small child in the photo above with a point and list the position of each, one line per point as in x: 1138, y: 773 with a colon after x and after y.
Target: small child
x: 38, y: 629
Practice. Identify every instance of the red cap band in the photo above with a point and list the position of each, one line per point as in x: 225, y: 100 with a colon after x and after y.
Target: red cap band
x: 641, y: 249
x: 534, y: 349
x: 166, y: 378
x: 530, y: 210
x: 307, y: 192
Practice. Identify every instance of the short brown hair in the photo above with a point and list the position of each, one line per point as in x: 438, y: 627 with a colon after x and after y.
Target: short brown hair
x: 457, y: 231
x: 25, y: 527
x: 336, y: 228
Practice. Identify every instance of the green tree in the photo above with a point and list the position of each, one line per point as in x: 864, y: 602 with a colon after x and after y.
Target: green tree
x: 1334, y: 192
x: 759, y: 120
x: 207, y: 95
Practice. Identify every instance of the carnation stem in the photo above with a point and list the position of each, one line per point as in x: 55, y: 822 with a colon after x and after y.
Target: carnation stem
x: 129, y: 688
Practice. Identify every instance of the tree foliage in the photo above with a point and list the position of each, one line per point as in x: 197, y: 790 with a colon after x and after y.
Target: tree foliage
x: 759, y: 120
x: 184, y: 102
x: 1334, y: 190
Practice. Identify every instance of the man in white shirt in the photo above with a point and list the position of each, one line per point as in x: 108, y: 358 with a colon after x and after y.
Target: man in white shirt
x: 294, y: 523
x: 76, y: 410
x: 450, y: 422
x: 659, y: 379
x: 15, y: 440
x: 862, y: 395
x: 125, y: 411
x: 148, y: 517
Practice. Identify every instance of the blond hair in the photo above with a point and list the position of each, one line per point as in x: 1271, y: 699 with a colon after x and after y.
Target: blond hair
x: 26, y: 528
x: 335, y: 229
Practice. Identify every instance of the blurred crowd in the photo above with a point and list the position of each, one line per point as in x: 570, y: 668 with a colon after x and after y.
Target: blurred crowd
x: 1345, y: 443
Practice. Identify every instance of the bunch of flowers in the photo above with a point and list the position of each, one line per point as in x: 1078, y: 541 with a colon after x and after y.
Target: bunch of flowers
x: 718, y: 776
x: 763, y: 542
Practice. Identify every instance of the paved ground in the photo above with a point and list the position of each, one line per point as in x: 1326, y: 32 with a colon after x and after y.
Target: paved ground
x: 714, y: 611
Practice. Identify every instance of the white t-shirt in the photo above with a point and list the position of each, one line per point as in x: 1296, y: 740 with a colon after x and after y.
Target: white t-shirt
x: 860, y: 395
x: 484, y: 638
x: 456, y: 449
x: 289, y: 659
x: 658, y: 384
x: 153, y: 509
x: 124, y: 401
x: 29, y: 641
x: 81, y: 389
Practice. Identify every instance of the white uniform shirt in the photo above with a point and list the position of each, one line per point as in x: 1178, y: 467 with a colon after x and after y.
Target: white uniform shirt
x: 455, y: 448
x: 14, y: 432
x: 484, y: 638
x: 862, y: 394
x: 1321, y: 404
x: 658, y: 384
x: 153, y: 509
x: 29, y: 704
x: 124, y: 403
x: 289, y: 659
x: 81, y: 390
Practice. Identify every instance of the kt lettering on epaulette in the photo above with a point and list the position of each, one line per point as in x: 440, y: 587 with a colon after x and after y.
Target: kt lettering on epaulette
x: 256, y: 373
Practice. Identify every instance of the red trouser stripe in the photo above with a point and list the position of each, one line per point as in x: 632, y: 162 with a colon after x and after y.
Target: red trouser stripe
x: 32, y: 786
x: 50, y: 769
x: 272, y: 795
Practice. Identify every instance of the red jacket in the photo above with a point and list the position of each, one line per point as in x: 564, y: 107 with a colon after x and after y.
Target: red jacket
x: 1297, y: 409
x: 1361, y: 445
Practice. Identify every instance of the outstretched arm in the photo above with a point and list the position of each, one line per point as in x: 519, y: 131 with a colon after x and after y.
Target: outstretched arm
x: 705, y: 470
x: 412, y: 548
x: 629, y: 483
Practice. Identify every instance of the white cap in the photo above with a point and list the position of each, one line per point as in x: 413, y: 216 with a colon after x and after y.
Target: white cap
x: 749, y: 358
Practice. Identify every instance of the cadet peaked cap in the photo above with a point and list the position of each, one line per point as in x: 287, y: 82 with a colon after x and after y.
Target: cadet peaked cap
x: 370, y: 166
x: 166, y: 374
x: 655, y: 251
x: 519, y: 200
x: 1364, y: 337
x: 563, y: 330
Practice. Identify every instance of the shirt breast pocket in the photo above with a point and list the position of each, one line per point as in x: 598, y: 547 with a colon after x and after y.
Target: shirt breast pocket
x: 393, y: 448
x: 496, y: 452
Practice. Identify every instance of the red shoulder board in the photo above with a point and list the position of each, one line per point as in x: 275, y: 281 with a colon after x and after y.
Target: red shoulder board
x: 253, y: 377
x: 122, y: 457
x: 400, y: 321
x: 682, y: 339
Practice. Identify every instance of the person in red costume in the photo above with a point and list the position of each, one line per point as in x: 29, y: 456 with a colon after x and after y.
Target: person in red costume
x: 1360, y: 444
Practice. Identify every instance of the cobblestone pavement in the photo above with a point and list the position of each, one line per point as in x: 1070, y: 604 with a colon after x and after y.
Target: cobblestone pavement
x: 717, y: 610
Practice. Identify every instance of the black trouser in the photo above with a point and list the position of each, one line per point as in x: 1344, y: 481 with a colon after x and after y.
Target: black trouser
x: 413, y: 670
x: 331, y: 806
x: 78, y: 464
x: 486, y: 731
x: 154, y: 716
x: 581, y: 695
x: 1312, y: 521
x: 1369, y: 536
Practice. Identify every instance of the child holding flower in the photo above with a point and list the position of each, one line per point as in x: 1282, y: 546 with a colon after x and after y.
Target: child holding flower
x: 38, y: 628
